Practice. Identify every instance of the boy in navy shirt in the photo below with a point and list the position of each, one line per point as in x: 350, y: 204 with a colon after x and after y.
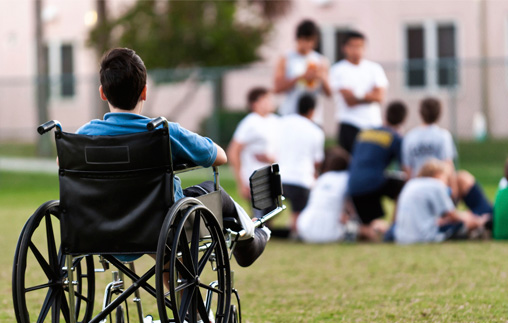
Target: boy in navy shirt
x: 123, y: 86
x: 373, y: 152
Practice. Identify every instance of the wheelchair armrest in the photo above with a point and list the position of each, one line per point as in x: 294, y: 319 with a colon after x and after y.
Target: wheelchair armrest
x: 185, y: 167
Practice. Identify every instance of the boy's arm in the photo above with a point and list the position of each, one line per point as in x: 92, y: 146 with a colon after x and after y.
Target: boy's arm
x: 234, y: 150
x: 221, y: 158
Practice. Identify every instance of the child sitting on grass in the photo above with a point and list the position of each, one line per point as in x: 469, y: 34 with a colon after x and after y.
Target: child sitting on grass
x: 426, y: 212
x: 323, y: 219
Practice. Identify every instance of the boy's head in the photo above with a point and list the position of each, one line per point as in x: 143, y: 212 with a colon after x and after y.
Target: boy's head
x: 353, y: 46
x: 336, y: 159
x: 306, y: 105
x: 435, y: 168
x: 122, y: 77
x: 259, y: 100
x: 430, y: 110
x: 307, y: 36
x: 396, y: 113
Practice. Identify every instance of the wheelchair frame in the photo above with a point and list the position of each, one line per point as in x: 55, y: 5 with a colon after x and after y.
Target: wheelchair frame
x: 185, y: 266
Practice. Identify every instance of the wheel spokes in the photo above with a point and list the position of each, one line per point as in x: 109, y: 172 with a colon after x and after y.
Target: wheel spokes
x: 37, y: 287
x: 183, y: 270
x: 52, y: 253
x: 186, y: 301
x: 183, y: 286
x: 211, y: 288
x: 186, y: 254
x: 42, y: 262
x: 195, y: 239
x: 46, y: 305
x: 65, y: 309
x: 206, y: 257
x: 201, y: 307
x: 55, y: 310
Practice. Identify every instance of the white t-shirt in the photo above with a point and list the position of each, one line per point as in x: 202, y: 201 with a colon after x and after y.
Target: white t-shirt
x: 421, y: 203
x: 259, y: 135
x: 297, y: 65
x: 361, y: 79
x: 301, y: 146
x: 425, y: 142
x: 320, y: 222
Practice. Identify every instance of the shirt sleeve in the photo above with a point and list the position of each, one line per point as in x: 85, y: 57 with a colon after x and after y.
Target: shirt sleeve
x: 188, y: 146
x: 404, y: 153
x: 442, y: 201
x: 380, y: 79
x: 450, y: 151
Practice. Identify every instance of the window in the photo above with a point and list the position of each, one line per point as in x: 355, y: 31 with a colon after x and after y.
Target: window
x: 60, y: 65
x: 431, y: 55
x: 415, y: 69
x: 331, y: 40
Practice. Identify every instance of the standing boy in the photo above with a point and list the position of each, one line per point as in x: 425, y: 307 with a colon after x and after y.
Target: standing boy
x: 302, y: 70
x: 301, y: 152
x: 358, y: 86
x: 254, y: 143
x: 374, y: 151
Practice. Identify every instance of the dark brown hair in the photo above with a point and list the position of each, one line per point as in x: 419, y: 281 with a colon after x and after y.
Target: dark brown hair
x: 336, y: 159
x: 255, y: 94
x: 430, y: 110
x: 307, y: 29
x: 123, y: 77
x: 396, y: 113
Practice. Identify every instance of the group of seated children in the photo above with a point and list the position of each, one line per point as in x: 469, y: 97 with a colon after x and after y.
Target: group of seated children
x: 425, y: 195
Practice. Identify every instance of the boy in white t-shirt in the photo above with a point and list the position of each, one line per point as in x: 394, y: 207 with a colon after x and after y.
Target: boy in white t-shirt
x: 358, y: 87
x: 426, y: 212
x: 255, y: 141
x: 300, y: 155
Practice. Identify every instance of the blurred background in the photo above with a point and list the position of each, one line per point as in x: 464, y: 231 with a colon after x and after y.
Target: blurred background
x: 203, y: 57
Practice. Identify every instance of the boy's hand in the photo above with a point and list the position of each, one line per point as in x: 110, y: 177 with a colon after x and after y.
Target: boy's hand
x: 349, y: 97
x: 265, y: 158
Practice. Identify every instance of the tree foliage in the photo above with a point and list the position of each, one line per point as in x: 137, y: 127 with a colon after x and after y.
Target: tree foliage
x: 190, y: 33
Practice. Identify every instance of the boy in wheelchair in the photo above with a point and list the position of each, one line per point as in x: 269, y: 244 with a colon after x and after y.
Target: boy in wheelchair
x: 123, y: 85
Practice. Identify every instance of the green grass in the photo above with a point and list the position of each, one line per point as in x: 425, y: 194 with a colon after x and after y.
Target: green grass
x: 294, y: 282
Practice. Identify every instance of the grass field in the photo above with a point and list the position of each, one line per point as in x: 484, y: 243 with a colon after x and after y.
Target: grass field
x: 294, y: 282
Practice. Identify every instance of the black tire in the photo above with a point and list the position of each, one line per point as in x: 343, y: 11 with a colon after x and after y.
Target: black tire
x: 185, y: 299
x: 37, y: 277
x: 233, y: 315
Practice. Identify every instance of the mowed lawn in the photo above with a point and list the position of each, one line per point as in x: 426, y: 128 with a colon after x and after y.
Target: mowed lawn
x: 294, y: 282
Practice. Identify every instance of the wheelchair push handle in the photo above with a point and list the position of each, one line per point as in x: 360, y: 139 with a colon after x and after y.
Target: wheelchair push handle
x: 43, y: 128
x: 157, y: 122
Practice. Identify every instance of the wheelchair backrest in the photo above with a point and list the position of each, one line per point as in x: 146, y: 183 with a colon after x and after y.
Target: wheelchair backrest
x: 115, y: 191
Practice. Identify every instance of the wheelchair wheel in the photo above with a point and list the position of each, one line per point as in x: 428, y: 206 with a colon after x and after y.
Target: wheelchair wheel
x: 192, y: 265
x: 39, y: 277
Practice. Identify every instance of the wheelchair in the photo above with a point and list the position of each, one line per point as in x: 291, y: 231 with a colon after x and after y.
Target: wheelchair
x: 114, y: 203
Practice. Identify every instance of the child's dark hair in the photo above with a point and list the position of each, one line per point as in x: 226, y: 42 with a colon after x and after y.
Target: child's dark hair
x: 255, y: 94
x: 430, y: 110
x: 123, y: 77
x: 352, y: 34
x: 336, y: 159
x: 396, y: 113
x: 306, y: 103
x: 307, y: 29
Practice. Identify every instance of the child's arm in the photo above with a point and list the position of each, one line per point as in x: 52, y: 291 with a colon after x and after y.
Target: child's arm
x: 221, y: 158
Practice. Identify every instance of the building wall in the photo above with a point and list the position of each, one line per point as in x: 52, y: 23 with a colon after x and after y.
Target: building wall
x: 382, y: 21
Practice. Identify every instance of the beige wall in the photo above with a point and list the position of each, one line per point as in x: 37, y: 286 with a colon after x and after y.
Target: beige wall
x: 382, y: 21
